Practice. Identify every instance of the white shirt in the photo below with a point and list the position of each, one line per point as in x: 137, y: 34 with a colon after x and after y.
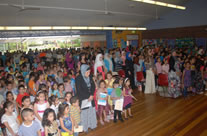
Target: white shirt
x: 12, y: 123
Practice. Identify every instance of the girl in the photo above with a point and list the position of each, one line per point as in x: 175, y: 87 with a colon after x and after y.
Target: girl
x: 50, y: 124
x: 102, y: 96
x: 40, y: 80
x: 99, y: 66
x: 39, y: 107
x: 127, y: 98
x: 67, y: 84
x: 66, y: 122
x: 109, y: 85
x: 9, y: 119
x: 10, y: 97
x: 54, y: 103
x: 68, y: 95
x: 61, y: 93
x: 186, y: 79
x: 55, y: 89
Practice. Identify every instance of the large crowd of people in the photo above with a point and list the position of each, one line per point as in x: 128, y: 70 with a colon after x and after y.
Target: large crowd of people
x: 59, y: 92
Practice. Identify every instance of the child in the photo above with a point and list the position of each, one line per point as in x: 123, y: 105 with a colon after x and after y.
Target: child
x: 21, y: 94
x: 39, y: 107
x: 127, y: 97
x: 9, y: 88
x: 102, y: 108
x: 55, y: 89
x: 26, y: 103
x: 68, y: 96
x: 61, y: 93
x: 9, y: 119
x: 66, y: 122
x: 116, y: 95
x: 75, y: 112
x: 54, y: 103
x: 67, y: 84
x: 59, y: 77
x: 29, y: 127
x: 50, y: 124
x: 10, y: 97
x: 186, y: 79
x: 109, y: 85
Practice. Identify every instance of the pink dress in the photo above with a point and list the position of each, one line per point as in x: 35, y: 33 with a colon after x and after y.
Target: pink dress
x: 127, y: 99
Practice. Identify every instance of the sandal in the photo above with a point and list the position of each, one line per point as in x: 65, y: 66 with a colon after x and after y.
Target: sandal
x: 101, y: 121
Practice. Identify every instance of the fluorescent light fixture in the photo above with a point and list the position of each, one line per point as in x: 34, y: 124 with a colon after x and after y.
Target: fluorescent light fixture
x: 95, y: 28
x: 161, y: 4
x: 18, y: 28
x: 109, y: 28
x: 2, y: 28
x: 141, y: 28
x: 181, y: 7
x: 149, y: 1
x: 171, y: 6
x: 121, y: 28
x: 79, y: 27
x: 61, y: 27
x: 41, y: 28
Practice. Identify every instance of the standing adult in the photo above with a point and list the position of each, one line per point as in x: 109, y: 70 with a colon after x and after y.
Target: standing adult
x: 85, y: 89
x: 130, y: 69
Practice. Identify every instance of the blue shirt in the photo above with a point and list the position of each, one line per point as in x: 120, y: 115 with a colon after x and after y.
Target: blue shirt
x: 67, y: 124
x: 29, y: 130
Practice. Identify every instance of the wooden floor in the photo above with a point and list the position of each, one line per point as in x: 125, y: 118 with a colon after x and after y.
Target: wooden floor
x: 158, y: 116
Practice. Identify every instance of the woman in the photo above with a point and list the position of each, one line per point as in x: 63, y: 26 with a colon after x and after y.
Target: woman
x: 108, y: 62
x: 85, y: 89
x: 130, y: 69
x: 150, y: 77
x: 99, y: 66
x: 69, y: 60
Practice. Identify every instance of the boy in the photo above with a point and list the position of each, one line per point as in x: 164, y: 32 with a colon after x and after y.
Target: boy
x: 9, y: 88
x: 116, y: 95
x: 75, y: 112
x: 29, y: 127
x: 21, y: 94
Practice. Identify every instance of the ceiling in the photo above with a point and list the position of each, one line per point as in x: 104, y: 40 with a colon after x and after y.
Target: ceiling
x: 83, y: 12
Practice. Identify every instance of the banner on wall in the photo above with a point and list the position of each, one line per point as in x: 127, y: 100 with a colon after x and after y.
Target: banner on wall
x: 181, y: 42
x: 132, y: 37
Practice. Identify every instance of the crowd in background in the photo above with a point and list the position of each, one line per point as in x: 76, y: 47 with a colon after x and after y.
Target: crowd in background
x: 53, y: 92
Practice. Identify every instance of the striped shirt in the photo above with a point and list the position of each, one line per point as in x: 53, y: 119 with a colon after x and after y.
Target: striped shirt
x: 75, y: 113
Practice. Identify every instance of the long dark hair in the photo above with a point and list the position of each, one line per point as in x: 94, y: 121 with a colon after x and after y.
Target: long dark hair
x: 61, y: 110
x: 45, y: 121
x: 52, y: 99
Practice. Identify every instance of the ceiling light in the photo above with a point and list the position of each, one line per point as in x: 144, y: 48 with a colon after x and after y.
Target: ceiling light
x: 95, y: 28
x: 79, y: 27
x: 41, y: 28
x: 121, y: 28
x: 109, y: 28
x: 61, y: 27
x: 17, y: 28
x: 149, y: 1
x: 161, y: 4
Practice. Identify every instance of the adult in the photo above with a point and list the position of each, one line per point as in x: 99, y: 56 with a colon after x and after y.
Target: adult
x: 69, y: 60
x: 99, y: 66
x: 85, y: 90
x: 130, y: 69
x: 108, y: 62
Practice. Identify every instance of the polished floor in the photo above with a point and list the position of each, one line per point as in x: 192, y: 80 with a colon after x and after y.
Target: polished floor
x: 157, y: 116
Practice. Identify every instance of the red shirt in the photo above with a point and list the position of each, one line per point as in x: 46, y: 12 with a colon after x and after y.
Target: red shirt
x: 19, y: 98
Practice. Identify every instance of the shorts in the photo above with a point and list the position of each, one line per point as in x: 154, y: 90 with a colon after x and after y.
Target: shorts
x: 127, y: 106
x: 65, y: 134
